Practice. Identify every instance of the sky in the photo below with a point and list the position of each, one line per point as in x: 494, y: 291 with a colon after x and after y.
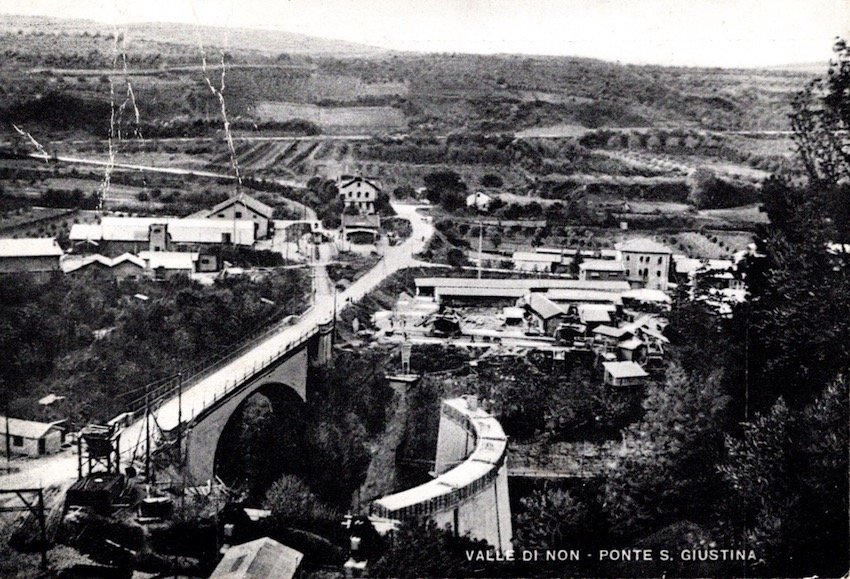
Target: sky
x: 739, y: 33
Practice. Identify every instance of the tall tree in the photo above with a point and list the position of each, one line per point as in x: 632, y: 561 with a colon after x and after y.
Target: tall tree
x: 665, y: 471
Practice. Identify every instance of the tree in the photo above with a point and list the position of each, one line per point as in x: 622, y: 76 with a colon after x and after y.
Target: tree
x: 404, y: 192
x: 550, y: 519
x: 787, y: 478
x: 455, y: 257
x: 291, y: 500
x: 420, y: 549
x: 821, y: 120
x: 445, y: 184
x: 821, y: 131
x: 491, y: 180
x: 666, y: 472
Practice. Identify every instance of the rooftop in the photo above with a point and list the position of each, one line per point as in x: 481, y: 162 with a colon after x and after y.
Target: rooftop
x: 594, y: 313
x: 647, y: 295
x: 526, y: 284
x: 624, y: 369
x: 602, y: 265
x: 258, y: 559
x: 630, y: 344
x: 536, y: 257
x: 169, y: 259
x: 25, y: 428
x: 581, y: 295
x: 104, y: 261
x: 246, y: 200
x: 369, y: 221
x: 347, y: 180
x: 643, y: 245
x: 543, y: 306
x: 188, y: 230
x: 30, y: 247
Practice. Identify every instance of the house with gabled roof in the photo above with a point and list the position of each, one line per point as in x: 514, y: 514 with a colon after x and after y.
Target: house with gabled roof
x: 359, y: 192
x: 546, y: 315
x: 624, y: 374
x: 259, y: 559
x: 125, y: 266
x: 240, y: 207
x: 30, y: 438
x: 30, y: 255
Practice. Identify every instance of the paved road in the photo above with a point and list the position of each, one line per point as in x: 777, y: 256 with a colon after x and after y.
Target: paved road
x: 60, y: 467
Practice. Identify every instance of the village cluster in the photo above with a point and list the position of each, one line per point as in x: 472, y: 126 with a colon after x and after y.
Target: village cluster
x: 615, y: 307
x: 129, y: 247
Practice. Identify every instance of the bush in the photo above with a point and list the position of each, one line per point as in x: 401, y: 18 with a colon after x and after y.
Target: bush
x: 290, y: 499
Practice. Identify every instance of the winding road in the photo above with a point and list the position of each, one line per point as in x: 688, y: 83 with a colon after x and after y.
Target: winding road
x: 61, y: 467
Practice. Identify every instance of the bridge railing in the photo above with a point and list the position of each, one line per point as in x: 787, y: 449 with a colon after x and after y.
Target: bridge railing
x: 168, y: 387
x: 443, y: 493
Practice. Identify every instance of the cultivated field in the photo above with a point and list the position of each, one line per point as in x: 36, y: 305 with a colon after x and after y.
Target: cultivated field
x: 331, y: 119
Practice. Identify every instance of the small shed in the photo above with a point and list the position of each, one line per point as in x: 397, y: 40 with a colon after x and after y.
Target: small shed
x: 479, y: 200
x: 30, y: 438
x: 513, y: 316
x: 632, y: 349
x: 258, y: 559
x: 624, y: 374
x: 546, y: 314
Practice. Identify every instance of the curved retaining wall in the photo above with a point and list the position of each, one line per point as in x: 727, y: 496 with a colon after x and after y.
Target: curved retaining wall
x: 470, y: 493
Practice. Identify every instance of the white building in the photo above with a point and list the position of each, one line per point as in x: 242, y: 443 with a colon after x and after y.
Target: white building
x: 533, y: 261
x: 624, y: 374
x: 604, y: 269
x: 647, y: 263
x: 32, y: 255
x: 359, y: 192
x: 241, y: 207
x: 30, y: 438
x: 116, y: 235
x: 479, y: 200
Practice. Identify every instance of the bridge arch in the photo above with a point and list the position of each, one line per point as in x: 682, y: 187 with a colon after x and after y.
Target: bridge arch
x: 204, y: 434
x: 283, y: 429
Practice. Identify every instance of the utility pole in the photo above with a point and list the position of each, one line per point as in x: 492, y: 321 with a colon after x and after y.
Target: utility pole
x: 180, y: 418
x: 480, y: 242
x: 8, y: 440
x: 147, y: 435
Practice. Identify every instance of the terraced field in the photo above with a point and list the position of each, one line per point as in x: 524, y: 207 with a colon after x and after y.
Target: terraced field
x: 334, y: 119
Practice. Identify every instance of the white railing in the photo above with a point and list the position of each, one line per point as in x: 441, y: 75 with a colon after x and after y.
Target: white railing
x: 441, y: 494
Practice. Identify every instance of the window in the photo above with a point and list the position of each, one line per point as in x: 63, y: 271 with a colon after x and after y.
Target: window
x: 17, y: 440
x: 628, y: 258
x: 657, y: 274
x: 221, y: 215
x: 238, y: 214
x: 659, y: 260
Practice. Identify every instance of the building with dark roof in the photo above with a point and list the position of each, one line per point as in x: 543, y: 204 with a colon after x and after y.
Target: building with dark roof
x: 361, y: 228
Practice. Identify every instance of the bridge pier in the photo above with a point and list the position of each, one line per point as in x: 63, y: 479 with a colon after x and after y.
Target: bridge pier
x: 324, y: 344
